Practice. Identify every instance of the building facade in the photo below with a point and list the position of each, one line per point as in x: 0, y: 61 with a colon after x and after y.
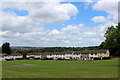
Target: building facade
x: 35, y: 55
x: 14, y: 56
x: 65, y: 55
x: 79, y: 55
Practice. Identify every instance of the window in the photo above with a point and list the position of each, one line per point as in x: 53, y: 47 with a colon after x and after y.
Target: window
x: 91, y: 53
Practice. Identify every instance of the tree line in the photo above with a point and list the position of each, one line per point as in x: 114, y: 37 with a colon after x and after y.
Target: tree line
x: 55, y: 49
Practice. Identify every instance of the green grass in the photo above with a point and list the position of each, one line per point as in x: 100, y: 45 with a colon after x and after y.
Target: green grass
x: 61, y: 69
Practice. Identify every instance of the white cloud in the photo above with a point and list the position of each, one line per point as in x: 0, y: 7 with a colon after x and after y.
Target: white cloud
x: 111, y: 7
x: 98, y: 19
x: 31, y: 0
x: 70, y: 28
x: 88, y: 3
x: 46, y: 12
x: 88, y: 0
x: 39, y: 14
x: 29, y: 30
x: 54, y: 32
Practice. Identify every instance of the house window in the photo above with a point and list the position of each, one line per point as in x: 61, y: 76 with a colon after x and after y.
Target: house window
x: 91, y: 53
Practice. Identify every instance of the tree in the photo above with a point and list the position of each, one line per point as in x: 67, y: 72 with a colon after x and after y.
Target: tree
x: 112, y: 41
x: 118, y: 39
x: 6, y: 48
x: 101, y: 46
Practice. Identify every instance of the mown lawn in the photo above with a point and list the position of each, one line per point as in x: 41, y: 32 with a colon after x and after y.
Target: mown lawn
x: 61, y: 69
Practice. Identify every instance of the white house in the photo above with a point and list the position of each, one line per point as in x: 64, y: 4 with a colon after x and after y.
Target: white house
x: 67, y: 55
x: 14, y: 56
x: 83, y: 55
x: 91, y: 54
x: 2, y: 56
x: 35, y: 55
x: 63, y: 55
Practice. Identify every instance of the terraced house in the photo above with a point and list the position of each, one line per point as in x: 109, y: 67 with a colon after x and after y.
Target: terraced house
x: 65, y: 55
x: 36, y: 55
x: 79, y: 55
x: 14, y: 56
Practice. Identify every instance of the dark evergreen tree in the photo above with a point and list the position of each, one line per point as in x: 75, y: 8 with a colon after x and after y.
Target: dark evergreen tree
x: 6, y: 48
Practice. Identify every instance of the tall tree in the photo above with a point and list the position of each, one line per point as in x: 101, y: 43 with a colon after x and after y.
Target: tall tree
x: 112, y: 41
x: 118, y: 39
x: 6, y: 48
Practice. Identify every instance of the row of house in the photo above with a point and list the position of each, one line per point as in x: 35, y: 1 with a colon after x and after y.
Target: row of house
x: 66, y: 55
x: 79, y: 55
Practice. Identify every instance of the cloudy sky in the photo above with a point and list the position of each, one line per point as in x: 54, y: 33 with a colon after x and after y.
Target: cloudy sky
x: 57, y: 23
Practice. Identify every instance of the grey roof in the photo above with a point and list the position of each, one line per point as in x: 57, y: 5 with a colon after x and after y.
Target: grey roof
x: 93, y: 51
x: 78, y: 52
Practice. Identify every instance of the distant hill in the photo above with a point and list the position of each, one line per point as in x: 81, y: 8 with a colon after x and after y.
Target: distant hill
x: 25, y: 47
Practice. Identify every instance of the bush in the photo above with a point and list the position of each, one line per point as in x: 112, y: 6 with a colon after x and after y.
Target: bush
x: 97, y: 58
x: 9, y: 59
x: 59, y: 59
x: 36, y: 58
x: 19, y: 58
x: 106, y: 58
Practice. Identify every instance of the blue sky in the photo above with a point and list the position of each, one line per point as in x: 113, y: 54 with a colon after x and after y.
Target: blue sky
x: 59, y: 24
x: 83, y: 17
x: 16, y: 11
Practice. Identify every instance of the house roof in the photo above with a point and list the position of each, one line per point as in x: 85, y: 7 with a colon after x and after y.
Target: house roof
x: 64, y: 52
x: 15, y: 54
x: 93, y: 51
x: 78, y: 52
x: 35, y: 53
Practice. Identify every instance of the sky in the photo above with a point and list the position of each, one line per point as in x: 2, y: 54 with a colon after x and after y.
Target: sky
x: 57, y: 23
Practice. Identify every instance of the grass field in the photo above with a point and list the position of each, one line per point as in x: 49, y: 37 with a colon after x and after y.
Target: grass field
x: 61, y: 69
